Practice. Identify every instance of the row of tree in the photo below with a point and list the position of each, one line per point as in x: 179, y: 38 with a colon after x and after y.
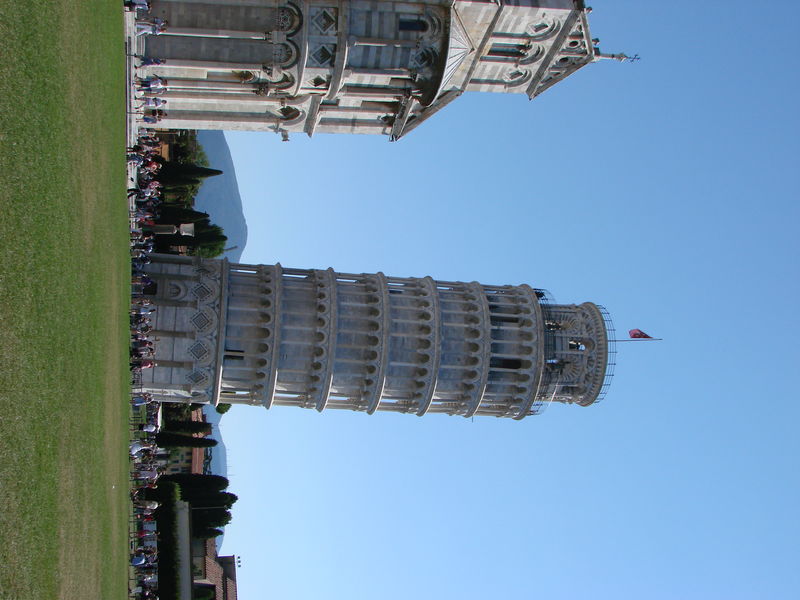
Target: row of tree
x: 178, y: 431
x: 208, y: 239
x: 206, y: 494
x: 211, y: 504
x: 181, y: 179
x: 181, y: 182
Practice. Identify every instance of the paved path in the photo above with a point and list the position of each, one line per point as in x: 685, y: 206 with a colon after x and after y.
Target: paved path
x: 133, y: 46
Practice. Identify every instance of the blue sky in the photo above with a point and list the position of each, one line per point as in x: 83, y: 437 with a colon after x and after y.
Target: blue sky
x: 665, y: 190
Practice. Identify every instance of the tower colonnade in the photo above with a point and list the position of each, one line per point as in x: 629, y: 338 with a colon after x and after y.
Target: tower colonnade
x: 268, y: 335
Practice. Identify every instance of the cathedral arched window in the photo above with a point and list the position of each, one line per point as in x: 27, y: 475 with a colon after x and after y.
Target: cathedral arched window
x: 507, y: 51
x: 543, y: 29
x: 517, y: 77
x: 533, y: 53
x: 412, y: 24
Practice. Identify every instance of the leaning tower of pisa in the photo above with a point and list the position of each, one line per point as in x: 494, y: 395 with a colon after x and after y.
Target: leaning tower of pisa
x: 273, y: 336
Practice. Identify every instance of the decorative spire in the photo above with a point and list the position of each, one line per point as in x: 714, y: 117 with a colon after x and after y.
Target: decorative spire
x: 621, y: 57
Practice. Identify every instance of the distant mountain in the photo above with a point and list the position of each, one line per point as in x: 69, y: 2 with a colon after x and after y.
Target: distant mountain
x: 219, y: 196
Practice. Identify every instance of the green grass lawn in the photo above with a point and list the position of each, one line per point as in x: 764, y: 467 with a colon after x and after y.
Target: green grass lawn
x: 63, y: 301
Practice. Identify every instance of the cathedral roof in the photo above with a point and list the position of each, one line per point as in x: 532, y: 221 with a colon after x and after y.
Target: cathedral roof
x: 459, y: 46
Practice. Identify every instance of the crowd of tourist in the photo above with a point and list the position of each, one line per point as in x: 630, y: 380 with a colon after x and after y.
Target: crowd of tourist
x: 148, y: 89
x: 145, y: 197
x: 147, y: 459
x: 147, y: 465
x: 144, y: 200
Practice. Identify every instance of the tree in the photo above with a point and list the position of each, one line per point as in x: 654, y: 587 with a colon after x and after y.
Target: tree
x: 210, y: 518
x: 188, y: 427
x: 176, y: 182
x: 167, y: 543
x: 186, y: 170
x: 205, y: 233
x: 176, y: 214
x: 211, y: 483
x: 222, y: 408
x: 203, y: 592
x: 177, y: 174
x: 209, y: 250
x: 168, y: 439
x: 174, y: 411
x: 209, y: 532
x: 204, y: 498
x: 208, y: 239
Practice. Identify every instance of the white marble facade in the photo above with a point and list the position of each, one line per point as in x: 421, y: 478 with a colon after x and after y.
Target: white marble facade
x: 354, y: 66
x: 267, y: 335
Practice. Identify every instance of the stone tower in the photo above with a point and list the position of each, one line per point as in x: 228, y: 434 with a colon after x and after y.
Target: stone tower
x: 354, y: 66
x: 268, y: 335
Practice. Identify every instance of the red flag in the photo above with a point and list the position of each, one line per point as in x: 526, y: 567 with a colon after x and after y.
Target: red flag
x: 638, y: 333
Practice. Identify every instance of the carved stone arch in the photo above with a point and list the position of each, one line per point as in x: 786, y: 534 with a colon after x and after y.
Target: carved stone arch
x: 576, y: 45
x: 295, y: 100
x: 435, y: 24
x: 517, y: 77
x: 564, y: 62
x: 282, y: 81
x: 284, y: 54
x: 288, y: 19
x: 543, y: 29
x: 427, y: 24
x: 532, y: 55
x: 175, y: 290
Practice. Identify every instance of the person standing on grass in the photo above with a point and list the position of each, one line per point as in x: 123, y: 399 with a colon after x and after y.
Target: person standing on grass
x: 150, y: 27
x: 151, y: 84
x: 152, y: 102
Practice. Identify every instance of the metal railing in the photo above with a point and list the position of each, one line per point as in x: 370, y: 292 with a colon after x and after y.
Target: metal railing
x: 544, y: 296
x: 611, y: 360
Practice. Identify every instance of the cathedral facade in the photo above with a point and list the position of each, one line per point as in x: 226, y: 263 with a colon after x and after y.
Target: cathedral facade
x: 266, y: 335
x: 354, y: 66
